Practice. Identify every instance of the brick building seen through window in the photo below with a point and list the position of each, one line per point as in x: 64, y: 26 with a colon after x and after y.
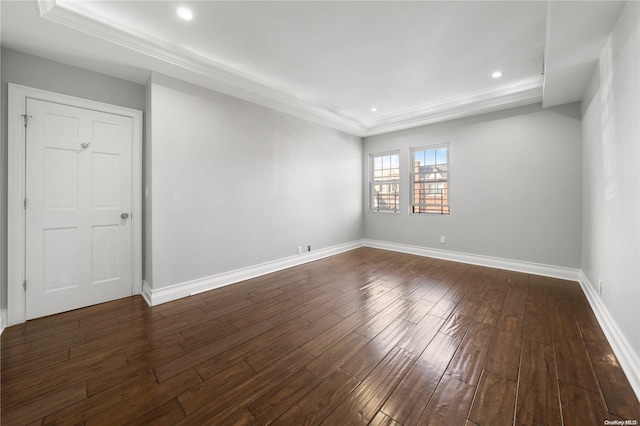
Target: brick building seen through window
x: 430, y: 180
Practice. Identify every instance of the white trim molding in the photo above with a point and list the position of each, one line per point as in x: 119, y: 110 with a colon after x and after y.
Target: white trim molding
x: 155, y: 297
x: 184, y: 64
x: 200, y: 70
x: 628, y: 359
x: 623, y: 350
x: 18, y: 95
x: 475, y: 259
x: 525, y: 93
x: 3, y: 320
x: 146, y: 292
x: 190, y: 288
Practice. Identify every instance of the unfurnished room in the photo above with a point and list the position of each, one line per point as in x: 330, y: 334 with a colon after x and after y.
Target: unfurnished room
x: 319, y: 212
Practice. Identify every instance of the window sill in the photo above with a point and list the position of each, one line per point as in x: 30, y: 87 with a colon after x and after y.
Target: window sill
x: 385, y: 212
x: 430, y: 214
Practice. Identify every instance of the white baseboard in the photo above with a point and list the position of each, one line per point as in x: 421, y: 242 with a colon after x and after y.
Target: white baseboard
x: 3, y: 320
x: 623, y: 350
x: 627, y: 357
x: 190, y: 288
x: 166, y: 294
x: 474, y: 259
x: 146, y: 292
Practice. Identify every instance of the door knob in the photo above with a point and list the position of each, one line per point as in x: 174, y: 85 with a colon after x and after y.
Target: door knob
x: 125, y: 215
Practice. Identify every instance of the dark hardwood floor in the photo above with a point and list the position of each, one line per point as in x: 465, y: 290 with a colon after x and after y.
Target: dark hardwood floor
x: 365, y: 337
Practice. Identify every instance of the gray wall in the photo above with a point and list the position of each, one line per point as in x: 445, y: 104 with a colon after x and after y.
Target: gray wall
x: 611, y: 177
x: 515, y: 188
x: 235, y: 184
x: 32, y: 71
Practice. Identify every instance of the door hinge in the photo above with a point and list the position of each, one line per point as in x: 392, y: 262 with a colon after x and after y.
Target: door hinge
x: 25, y: 203
x: 26, y: 118
x: 24, y: 285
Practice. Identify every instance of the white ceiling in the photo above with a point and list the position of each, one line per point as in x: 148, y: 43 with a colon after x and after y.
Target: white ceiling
x: 332, y: 61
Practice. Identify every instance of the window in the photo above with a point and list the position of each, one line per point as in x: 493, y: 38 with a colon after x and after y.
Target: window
x: 385, y: 182
x: 430, y: 180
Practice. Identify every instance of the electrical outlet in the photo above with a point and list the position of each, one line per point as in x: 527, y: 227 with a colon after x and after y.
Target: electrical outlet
x: 299, y: 249
x: 599, y: 285
x: 443, y: 239
x: 308, y: 248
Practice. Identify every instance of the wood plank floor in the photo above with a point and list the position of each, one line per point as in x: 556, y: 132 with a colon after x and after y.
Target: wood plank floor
x: 364, y: 337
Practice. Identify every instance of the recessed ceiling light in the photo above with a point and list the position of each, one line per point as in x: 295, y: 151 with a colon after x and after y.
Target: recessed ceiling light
x: 185, y: 13
x: 497, y: 74
x: 374, y: 109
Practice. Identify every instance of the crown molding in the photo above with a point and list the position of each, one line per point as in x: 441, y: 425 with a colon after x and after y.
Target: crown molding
x: 45, y: 6
x: 222, y: 78
x: 197, y: 69
x: 526, y: 93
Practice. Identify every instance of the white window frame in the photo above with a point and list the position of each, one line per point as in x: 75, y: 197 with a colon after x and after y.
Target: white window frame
x: 412, y: 180
x: 372, y: 183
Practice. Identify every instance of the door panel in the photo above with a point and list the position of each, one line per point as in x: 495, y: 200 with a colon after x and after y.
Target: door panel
x: 60, y: 257
x: 78, y: 183
x: 104, y: 250
x: 104, y: 181
x: 60, y: 179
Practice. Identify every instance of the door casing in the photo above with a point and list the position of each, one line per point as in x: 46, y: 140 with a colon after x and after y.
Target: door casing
x: 18, y: 95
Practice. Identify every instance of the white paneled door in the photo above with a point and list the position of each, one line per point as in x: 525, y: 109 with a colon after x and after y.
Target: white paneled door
x: 78, y: 207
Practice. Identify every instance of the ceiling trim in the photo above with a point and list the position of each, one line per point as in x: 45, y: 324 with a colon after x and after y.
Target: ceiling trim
x: 220, y: 77
x: 568, y: 66
x: 526, y: 93
x: 45, y: 6
x: 74, y: 16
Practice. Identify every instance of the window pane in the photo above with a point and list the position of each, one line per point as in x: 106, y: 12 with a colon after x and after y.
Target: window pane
x: 377, y: 163
x: 395, y: 161
x: 430, y: 191
x: 430, y: 157
x: 385, y: 177
x: 394, y: 174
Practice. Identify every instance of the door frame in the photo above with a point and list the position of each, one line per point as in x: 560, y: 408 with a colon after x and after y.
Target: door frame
x: 16, y: 161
